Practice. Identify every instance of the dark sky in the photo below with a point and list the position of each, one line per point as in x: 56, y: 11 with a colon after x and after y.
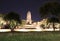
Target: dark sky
x: 22, y: 7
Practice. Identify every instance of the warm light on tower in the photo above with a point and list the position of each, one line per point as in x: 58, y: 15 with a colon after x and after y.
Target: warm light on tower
x: 29, y: 21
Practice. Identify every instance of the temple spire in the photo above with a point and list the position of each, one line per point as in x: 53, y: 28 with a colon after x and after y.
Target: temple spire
x: 29, y: 20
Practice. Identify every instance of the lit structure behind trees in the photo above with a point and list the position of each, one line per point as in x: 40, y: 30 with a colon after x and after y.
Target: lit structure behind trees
x: 50, y: 9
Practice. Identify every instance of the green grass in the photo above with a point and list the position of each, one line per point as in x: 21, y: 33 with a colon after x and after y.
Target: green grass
x: 30, y: 36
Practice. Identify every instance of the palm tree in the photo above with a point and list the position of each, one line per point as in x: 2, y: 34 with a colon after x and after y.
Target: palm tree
x: 50, y: 9
x: 11, y: 17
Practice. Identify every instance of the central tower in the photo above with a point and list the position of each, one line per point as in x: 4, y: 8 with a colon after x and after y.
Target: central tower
x: 29, y: 20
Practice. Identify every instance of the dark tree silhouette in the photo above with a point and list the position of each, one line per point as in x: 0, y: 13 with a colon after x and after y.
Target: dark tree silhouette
x: 13, y: 16
x: 53, y: 20
x: 50, y: 9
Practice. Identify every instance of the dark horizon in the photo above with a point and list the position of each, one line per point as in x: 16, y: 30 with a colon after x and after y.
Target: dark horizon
x: 22, y: 7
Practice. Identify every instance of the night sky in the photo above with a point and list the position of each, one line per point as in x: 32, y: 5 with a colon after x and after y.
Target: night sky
x: 22, y: 7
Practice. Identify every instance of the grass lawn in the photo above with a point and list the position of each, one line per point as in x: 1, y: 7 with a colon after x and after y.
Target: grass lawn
x: 30, y: 36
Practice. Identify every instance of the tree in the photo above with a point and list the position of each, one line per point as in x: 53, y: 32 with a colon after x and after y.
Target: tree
x: 13, y: 18
x: 53, y: 20
x: 50, y: 9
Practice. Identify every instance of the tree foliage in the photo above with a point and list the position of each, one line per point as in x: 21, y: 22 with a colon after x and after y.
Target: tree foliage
x: 50, y: 9
x: 53, y: 20
x: 13, y: 16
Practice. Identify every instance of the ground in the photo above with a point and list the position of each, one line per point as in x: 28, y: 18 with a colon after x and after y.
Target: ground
x: 30, y: 36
